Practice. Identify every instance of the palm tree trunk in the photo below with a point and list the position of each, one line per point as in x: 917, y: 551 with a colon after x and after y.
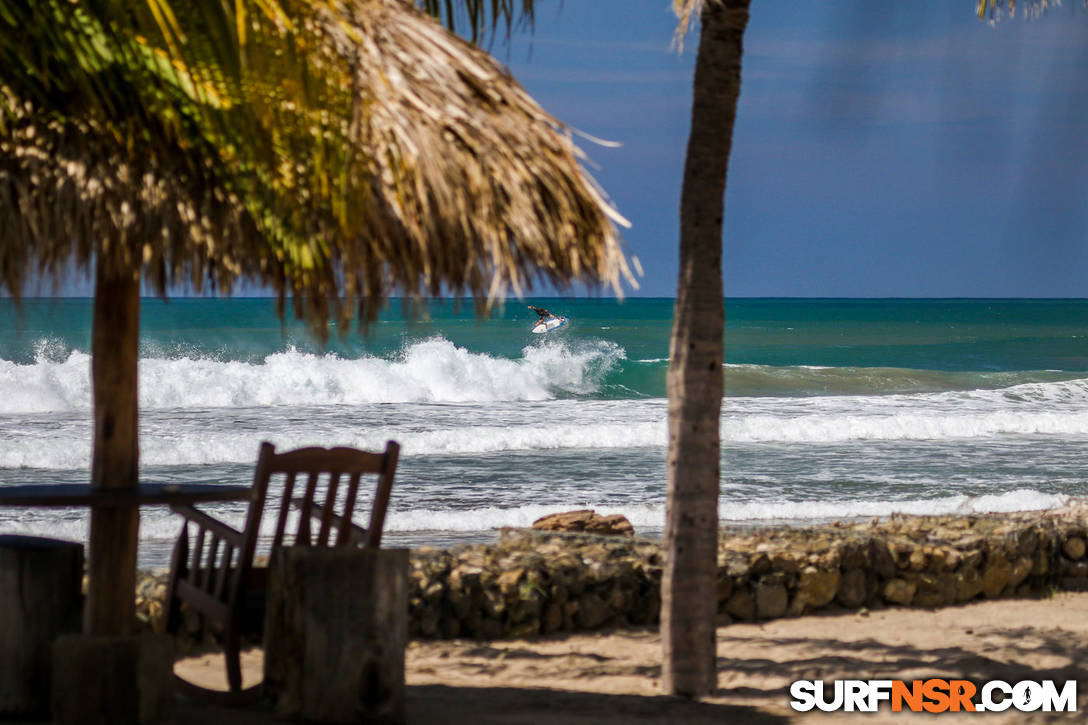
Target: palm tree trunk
x: 689, y: 587
x: 111, y: 563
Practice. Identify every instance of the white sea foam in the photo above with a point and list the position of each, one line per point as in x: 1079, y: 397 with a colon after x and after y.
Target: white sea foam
x: 1053, y: 409
x: 221, y: 447
x: 432, y: 370
x: 214, y: 444
x: 161, y: 525
x: 521, y: 516
x: 920, y: 426
x: 46, y: 386
x: 232, y: 435
x: 1017, y: 500
x: 653, y: 517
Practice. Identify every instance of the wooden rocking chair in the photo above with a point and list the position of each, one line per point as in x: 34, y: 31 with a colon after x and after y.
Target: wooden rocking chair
x: 212, y: 569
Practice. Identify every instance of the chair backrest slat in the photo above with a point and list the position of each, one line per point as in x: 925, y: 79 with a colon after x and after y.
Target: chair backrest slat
x: 281, y: 520
x: 328, y: 509
x: 302, y: 537
x: 224, y: 570
x: 343, y: 533
x: 198, y: 557
x: 261, y: 476
x: 206, y: 578
x: 381, y: 496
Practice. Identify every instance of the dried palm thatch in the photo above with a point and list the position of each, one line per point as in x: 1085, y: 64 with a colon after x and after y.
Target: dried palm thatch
x: 1030, y: 9
x: 71, y: 193
x: 424, y: 168
x: 473, y: 185
x: 687, y: 11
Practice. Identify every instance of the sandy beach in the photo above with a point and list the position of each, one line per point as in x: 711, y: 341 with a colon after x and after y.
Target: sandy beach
x: 614, y: 677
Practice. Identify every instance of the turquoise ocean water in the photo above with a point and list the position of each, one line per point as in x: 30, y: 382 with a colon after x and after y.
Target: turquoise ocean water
x: 834, y: 408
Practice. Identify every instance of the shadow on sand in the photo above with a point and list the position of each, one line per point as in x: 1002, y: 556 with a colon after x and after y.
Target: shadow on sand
x: 524, y: 706
x: 1000, y: 654
x: 441, y: 704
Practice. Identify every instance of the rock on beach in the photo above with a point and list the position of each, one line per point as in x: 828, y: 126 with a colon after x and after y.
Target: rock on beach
x: 586, y: 521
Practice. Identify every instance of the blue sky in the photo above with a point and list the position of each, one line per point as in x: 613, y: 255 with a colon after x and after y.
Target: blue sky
x: 881, y: 149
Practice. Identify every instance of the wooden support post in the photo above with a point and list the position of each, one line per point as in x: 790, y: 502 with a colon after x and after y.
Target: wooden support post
x: 113, y: 680
x: 111, y: 565
x: 335, y: 633
x: 40, y: 599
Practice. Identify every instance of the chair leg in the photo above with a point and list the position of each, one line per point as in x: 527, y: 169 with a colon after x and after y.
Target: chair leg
x: 178, y: 560
x: 231, y: 648
x: 235, y: 696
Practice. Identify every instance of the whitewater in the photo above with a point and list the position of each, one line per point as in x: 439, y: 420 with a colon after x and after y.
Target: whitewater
x: 987, y: 413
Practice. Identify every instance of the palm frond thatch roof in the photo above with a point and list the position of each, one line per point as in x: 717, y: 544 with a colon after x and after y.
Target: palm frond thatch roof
x: 422, y: 168
x: 480, y: 184
x: 71, y: 192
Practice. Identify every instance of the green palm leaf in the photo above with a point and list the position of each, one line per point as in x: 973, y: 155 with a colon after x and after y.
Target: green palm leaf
x: 359, y: 147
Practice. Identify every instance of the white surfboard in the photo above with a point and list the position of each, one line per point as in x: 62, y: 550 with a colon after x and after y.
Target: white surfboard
x: 549, y: 324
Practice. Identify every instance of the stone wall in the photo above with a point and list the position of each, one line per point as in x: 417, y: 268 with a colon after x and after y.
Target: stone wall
x: 537, y: 583
x: 533, y: 582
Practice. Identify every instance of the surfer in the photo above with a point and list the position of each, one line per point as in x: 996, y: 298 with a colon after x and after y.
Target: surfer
x: 544, y: 314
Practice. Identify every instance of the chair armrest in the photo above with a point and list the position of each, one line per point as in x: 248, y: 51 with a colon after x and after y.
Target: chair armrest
x: 203, y: 520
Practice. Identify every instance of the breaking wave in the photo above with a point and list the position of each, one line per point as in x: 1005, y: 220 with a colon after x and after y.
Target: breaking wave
x: 433, y: 370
